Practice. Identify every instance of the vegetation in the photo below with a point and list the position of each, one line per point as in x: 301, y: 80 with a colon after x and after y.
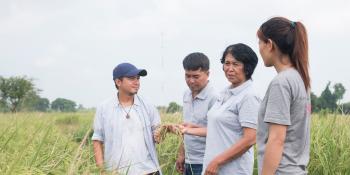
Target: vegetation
x: 20, y: 94
x: 13, y: 90
x: 328, y: 100
x: 59, y: 143
x: 63, y: 105
x: 173, y: 107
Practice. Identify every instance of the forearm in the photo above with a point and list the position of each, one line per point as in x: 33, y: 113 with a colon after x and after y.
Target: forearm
x: 98, y: 152
x: 201, y: 131
x: 274, y: 148
x: 181, y: 151
x: 272, y: 157
x: 236, y: 150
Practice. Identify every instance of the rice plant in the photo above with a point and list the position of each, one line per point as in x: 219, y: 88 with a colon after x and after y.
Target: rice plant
x: 60, y: 143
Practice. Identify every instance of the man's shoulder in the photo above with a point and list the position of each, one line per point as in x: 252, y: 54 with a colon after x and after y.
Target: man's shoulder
x: 144, y: 102
x: 107, y: 102
x: 187, y: 93
x: 212, y: 93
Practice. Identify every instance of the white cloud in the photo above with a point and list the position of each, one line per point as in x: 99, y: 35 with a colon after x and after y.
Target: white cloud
x: 81, y: 41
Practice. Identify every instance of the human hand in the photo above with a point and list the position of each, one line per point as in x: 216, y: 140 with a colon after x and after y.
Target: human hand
x: 173, y: 128
x: 157, y: 135
x: 180, y: 164
x: 213, y: 167
x: 190, y: 125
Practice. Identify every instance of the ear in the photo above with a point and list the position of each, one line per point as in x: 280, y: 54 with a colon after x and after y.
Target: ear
x: 271, y: 45
x: 118, y: 82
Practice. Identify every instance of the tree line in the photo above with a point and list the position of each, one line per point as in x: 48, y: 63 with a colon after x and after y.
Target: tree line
x: 328, y: 102
x: 20, y: 94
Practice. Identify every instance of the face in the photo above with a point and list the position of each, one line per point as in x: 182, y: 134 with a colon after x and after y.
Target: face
x: 196, y: 80
x: 128, y: 85
x: 234, y: 71
x: 264, y: 49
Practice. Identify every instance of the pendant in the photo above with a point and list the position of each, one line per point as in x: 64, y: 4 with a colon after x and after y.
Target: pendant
x: 127, y: 116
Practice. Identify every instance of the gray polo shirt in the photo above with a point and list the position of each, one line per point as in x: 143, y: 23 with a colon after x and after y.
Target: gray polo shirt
x: 195, y: 111
x: 286, y: 102
x: 235, y: 109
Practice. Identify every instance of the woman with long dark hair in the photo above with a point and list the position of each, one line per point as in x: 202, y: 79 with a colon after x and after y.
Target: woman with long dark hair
x: 283, y: 136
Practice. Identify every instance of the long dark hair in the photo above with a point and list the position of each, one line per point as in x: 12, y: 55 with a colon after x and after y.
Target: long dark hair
x: 291, y: 39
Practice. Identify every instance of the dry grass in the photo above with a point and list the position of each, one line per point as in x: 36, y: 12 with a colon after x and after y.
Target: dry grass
x: 59, y: 143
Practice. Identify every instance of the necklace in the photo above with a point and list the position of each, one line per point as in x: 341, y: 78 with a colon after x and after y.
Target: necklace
x: 127, y: 113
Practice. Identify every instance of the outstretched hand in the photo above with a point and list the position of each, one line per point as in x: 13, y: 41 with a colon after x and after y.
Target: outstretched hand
x: 160, y: 133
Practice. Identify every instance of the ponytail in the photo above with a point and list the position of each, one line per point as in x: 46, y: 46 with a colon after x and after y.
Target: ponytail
x: 299, y: 56
x: 291, y: 39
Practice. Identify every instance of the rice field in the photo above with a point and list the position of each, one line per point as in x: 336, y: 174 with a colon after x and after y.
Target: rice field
x: 59, y: 143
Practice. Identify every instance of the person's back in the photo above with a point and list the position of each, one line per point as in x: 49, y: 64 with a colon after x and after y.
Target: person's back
x: 297, y: 144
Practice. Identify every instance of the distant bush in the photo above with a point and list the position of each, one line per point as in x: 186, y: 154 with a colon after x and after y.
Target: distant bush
x: 173, y: 107
x: 68, y: 120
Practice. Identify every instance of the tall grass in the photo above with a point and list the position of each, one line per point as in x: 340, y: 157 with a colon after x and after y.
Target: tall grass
x: 60, y: 143
x: 330, y: 145
x: 34, y: 143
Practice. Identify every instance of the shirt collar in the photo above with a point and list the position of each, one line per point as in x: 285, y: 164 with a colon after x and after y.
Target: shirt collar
x: 203, y: 94
x: 117, y: 102
x: 240, y: 88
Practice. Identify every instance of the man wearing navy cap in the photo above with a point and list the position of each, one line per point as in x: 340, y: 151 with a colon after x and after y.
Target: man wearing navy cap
x: 124, y: 127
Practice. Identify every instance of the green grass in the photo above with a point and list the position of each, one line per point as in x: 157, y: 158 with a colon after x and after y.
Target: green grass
x: 59, y: 143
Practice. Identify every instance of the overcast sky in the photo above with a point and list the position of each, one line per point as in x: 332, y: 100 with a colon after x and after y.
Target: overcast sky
x: 70, y: 47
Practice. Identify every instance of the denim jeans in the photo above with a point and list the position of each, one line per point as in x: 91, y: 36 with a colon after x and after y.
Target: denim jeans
x: 193, y: 169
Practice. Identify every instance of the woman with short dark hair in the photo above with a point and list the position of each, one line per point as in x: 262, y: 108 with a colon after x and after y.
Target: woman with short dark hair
x: 232, y: 120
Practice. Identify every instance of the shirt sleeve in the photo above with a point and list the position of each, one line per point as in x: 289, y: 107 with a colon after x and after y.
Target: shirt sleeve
x: 98, y: 126
x: 155, y: 117
x: 278, y: 105
x: 212, y: 101
x: 248, y: 111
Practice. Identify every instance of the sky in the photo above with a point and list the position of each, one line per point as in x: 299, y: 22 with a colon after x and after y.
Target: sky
x: 70, y: 47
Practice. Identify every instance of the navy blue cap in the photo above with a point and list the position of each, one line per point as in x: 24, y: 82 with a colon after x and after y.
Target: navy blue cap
x: 127, y: 70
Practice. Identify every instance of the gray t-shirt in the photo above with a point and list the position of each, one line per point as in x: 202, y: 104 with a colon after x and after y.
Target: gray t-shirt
x: 286, y: 102
x: 236, y: 108
x: 195, y: 111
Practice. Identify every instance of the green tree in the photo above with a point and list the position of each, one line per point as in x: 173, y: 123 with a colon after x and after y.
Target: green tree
x: 173, y: 107
x: 327, y: 99
x: 3, y: 106
x: 43, y: 104
x: 339, y: 91
x: 33, y: 102
x: 63, y: 105
x: 346, y: 108
x: 315, y: 103
x: 13, y: 90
